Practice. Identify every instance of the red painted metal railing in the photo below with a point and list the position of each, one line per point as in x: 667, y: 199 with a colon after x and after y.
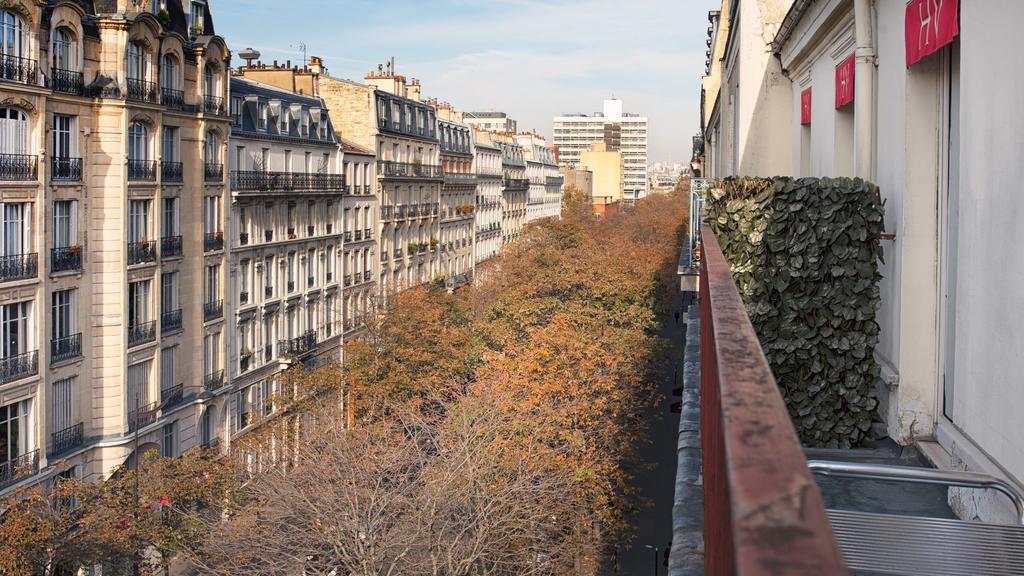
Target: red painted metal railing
x: 763, y: 513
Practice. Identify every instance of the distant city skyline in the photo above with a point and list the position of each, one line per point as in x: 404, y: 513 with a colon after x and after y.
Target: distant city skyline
x: 532, y: 59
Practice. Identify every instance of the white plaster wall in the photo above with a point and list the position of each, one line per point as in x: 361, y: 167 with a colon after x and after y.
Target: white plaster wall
x: 989, y: 397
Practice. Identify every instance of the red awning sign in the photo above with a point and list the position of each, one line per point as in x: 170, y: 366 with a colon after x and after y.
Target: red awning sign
x: 844, y: 82
x: 805, y: 107
x: 930, y: 25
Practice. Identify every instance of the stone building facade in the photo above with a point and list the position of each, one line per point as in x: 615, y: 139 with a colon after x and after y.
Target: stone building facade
x: 112, y: 277
x: 458, y: 202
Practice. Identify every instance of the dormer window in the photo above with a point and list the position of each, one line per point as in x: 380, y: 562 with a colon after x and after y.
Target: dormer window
x: 282, y: 126
x: 263, y: 116
x: 197, y: 17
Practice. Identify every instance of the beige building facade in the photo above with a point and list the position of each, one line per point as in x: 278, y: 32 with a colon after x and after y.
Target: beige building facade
x: 490, y: 181
x: 515, y: 187
x: 545, y: 195
x: 113, y: 253
x: 458, y: 198
x: 606, y: 168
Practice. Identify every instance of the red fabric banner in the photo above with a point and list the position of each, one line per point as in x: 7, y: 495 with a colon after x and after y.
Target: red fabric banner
x: 844, y: 82
x: 930, y: 25
x: 805, y: 107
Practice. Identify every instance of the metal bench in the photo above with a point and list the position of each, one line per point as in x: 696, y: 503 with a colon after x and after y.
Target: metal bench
x: 913, y: 545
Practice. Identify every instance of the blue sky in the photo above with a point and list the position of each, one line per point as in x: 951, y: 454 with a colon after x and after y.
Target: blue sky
x: 533, y: 59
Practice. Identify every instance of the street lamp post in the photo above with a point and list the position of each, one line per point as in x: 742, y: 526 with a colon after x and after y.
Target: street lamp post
x: 655, y: 550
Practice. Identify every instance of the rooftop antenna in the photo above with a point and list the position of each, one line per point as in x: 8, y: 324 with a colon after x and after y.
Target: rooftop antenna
x: 302, y: 48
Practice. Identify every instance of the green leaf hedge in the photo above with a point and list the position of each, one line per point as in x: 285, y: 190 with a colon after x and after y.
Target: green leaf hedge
x: 805, y: 254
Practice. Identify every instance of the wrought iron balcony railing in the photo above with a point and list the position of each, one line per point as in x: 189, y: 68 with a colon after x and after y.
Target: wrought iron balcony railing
x: 66, y: 82
x: 172, y: 396
x: 18, y: 366
x: 366, y: 276
x: 459, y: 179
x: 141, y: 252
x: 171, y: 247
x: 170, y: 320
x: 17, y: 69
x: 65, y: 169
x: 67, y: 439
x: 18, y: 167
x: 517, y: 184
x: 213, y: 310
x: 67, y: 259
x: 214, y: 381
x: 65, y: 348
x: 141, y: 170
x: 412, y: 170
x: 213, y: 241
x: 142, y: 416
x: 19, y: 267
x: 173, y: 99
x: 18, y: 468
x: 141, y: 333
x: 142, y: 91
x: 387, y: 213
x: 213, y: 172
x: 213, y: 105
x: 171, y: 171
x: 367, y: 234
x: 299, y: 345
x: 243, y: 238
x: 247, y: 181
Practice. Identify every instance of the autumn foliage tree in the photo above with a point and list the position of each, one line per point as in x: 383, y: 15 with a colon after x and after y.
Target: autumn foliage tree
x: 489, y: 431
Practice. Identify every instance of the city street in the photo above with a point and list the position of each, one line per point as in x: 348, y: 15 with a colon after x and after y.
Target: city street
x: 656, y: 484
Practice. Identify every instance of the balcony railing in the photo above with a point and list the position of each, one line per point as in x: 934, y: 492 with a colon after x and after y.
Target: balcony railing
x: 142, y: 91
x: 65, y: 348
x: 19, y: 468
x: 367, y: 235
x: 268, y: 235
x: 18, y: 167
x: 171, y: 247
x: 214, y: 381
x: 16, y: 69
x: 141, y: 252
x: 170, y: 321
x: 213, y: 241
x: 141, y: 333
x: 268, y: 291
x: 366, y: 276
x: 170, y: 171
x: 310, y: 230
x: 213, y: 310
x: 348, y: 236
x: 19, y: 366
x: 243, y: 238
x: 67, y: 259
x: 358, y: 235
x: 390, y: 169
x: 172, y: 396
x: 762, y: 507
x: 299, y: 345
x: 173, y: 99
x: 243, y: 181
x: 518, y: 184
x: 213, y: 105
x: 19, y: 267
x: 141, y: 170
x: 348, y: 280
x: 67, y: 439
x: 213, y: 172
x: 459, y: 179
x: 142, y: 416
x: 65, y: 169
x: 243, y: 297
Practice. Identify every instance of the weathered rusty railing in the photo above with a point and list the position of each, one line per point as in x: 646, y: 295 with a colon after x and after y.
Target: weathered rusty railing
x: 763, y: 513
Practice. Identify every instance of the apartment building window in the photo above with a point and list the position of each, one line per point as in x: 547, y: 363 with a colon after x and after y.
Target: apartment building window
x: 170, y: 144
x: 136, y: 61
x: 169, y: 72
x: 16, y: 236
x: 290, y: 216
x: 268, y: 338
x: 197, y: 16
x: 236, y: 113
x: 310, y: 267
x: 168, y: 449
x: 168, y: 359
x: 291, y: 272
x: 263, y: 118
x: 241, y: 410
x: 66, y: 342
x: 14, y: 431
x: 65, y: 162
x: 287, y: 159
x: 213, y: 283
x: 329, y: 264
x: 211, y: 214
x: 138, y: 230
x: 267, y: 396
x: 170, y: 314
x: 138, y: 386
x: 139, y: 313
x: 18, y: 356
x: 282, y: 119
x: 61, y: 414
x: 211, y: 354
x: 210, y: 81
x: 268, y: 277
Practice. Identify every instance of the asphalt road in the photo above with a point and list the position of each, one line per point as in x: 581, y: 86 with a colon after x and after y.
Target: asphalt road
x: 656, y: 484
